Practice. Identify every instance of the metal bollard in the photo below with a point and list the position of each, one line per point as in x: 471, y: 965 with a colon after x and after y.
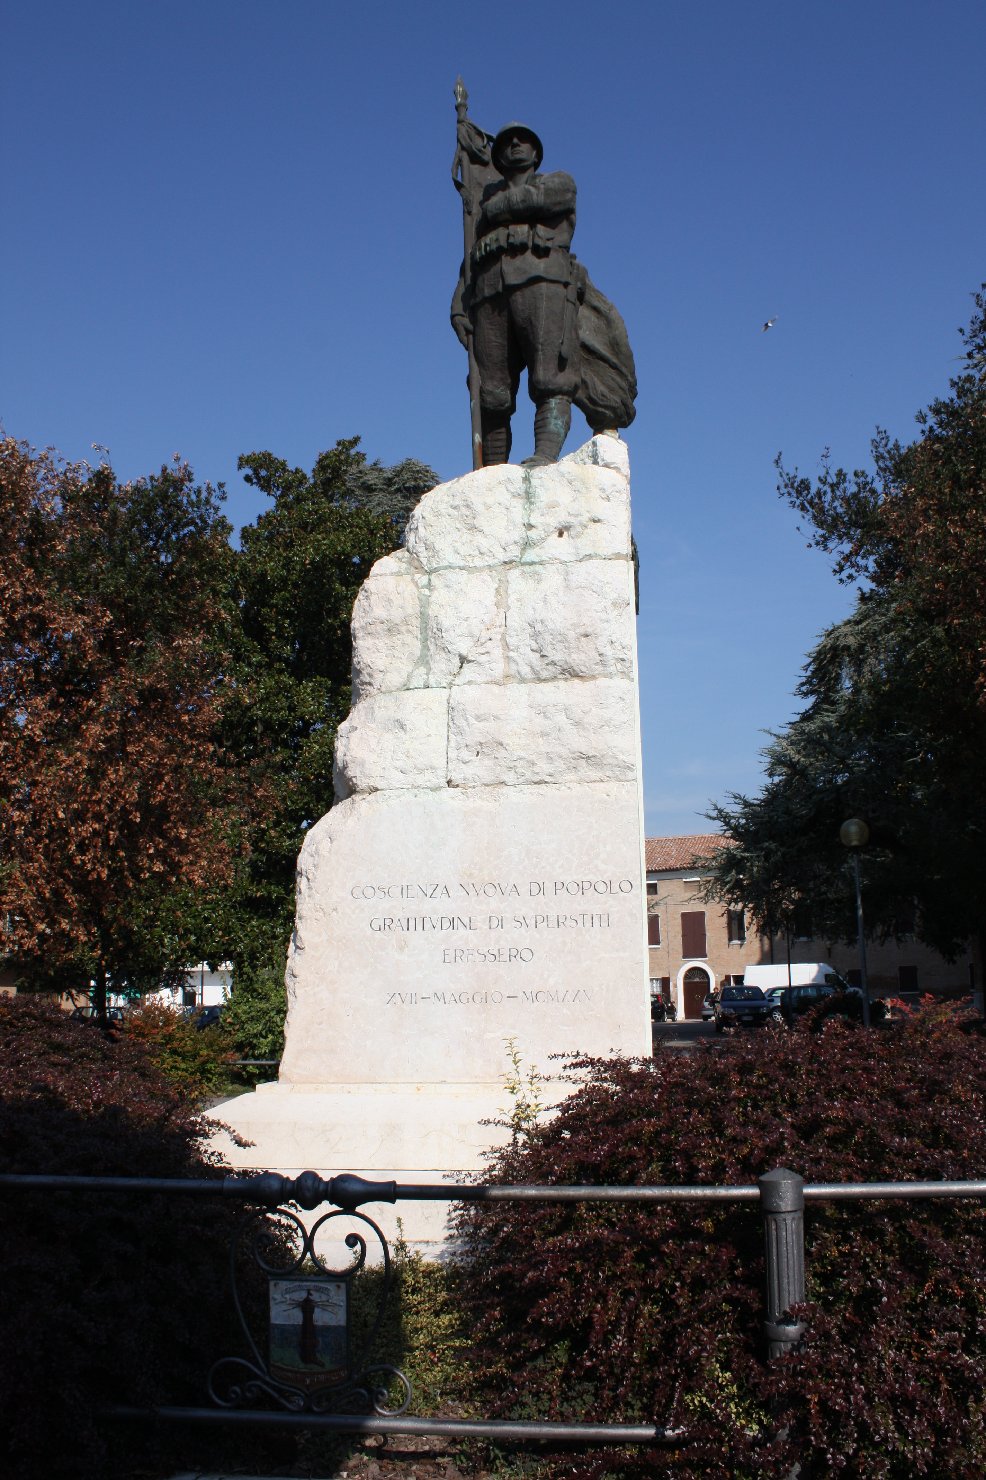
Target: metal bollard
x: 782, y: 1198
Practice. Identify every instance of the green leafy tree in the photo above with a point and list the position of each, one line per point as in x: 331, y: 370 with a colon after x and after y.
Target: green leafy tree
x: 255, y: 1015
x: 297, y: 575
x: 391, y: 492
x: 894, y: 724
x: 883, y: 736
x: 113, y: 649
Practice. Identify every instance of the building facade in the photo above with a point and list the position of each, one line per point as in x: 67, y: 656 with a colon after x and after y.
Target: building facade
x: 696, y: 946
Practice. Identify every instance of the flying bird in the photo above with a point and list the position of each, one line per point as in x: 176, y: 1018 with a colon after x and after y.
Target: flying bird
x: 769, y: 324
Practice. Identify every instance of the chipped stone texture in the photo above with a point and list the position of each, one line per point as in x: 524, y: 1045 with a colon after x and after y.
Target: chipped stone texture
x: 475, y: 520
x: 569, y: 620
x: 392, y: 742
x: 578, y: 512
x: 464, y: 628
x: 511, y: 577
x: 512, y: 513
x: 604, y: 451
x: 519, y: 734
x: 481, y: 877
x: 386, y: 627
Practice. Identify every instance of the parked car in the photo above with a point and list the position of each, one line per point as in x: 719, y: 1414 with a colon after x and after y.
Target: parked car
x: 88, y: 1014
x: 829, y: 1000
x: 207, y: 1017
x: 747, y: 1005
x: 796, y: 1001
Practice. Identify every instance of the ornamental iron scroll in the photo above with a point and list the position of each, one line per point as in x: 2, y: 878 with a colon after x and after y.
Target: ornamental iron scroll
x: 282, y: 1276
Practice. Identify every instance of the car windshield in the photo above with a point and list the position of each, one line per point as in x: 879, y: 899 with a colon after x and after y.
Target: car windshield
x: 746, y: 994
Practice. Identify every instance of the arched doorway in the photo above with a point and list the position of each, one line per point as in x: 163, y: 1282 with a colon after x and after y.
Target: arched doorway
x: 696, y: 981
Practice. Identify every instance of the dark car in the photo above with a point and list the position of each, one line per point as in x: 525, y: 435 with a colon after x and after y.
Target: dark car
x: 743, y: 1005
x: 794, y: 1002
x: 829, y: 999
x: 207, y: 1017
x: 88, y: 1014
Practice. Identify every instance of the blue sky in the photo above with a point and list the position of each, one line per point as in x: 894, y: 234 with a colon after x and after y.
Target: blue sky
x: 230, y: 226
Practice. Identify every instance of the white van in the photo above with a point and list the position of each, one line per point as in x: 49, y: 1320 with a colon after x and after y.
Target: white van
x: 798, y: 974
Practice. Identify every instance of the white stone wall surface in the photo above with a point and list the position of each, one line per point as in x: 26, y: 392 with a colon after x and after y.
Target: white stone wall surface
x: 480, y: 877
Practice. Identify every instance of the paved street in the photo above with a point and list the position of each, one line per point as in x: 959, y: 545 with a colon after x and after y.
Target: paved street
x: 682, y: 1035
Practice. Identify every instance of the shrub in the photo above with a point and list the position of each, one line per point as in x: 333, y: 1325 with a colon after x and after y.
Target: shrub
x: 634, y: 1313
x: 255, y: 1015
x: 105, y: 1297
x: 198, y: 1061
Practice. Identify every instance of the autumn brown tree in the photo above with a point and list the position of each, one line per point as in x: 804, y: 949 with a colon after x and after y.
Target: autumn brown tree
x: 112, y: 658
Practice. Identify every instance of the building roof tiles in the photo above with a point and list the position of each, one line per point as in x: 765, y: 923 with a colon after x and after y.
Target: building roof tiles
x: 672, y: 853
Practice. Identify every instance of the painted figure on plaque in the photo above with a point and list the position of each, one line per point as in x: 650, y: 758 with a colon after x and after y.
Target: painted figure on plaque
x: 524, y: 302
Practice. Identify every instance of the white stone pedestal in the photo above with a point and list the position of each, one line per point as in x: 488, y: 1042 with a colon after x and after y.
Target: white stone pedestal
x: 480, y: 877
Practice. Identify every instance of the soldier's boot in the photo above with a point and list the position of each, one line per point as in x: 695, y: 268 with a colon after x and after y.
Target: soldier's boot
x: 552, y: 420
x: 496, y: 437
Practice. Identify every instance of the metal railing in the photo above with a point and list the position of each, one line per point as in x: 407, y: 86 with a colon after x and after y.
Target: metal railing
x: 782, y: 1195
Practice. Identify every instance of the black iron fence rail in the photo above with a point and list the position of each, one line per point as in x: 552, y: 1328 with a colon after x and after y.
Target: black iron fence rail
x: 781, y: 1193
x: 270, y: 1189
x: 448, y: 1428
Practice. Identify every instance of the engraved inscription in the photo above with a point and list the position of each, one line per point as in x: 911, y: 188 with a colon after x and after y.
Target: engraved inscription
x: 544, y: 909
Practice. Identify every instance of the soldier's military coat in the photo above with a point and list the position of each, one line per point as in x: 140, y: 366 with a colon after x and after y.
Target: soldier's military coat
x: 522, y: 297
x: 531, y: 304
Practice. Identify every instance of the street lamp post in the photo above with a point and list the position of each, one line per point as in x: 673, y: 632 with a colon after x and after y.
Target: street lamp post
x: 854, y: 835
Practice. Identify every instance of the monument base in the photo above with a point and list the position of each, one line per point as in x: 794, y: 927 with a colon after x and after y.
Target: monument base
x: 313, y: 1126
x: 381, y: 1132
x: 478, y: 887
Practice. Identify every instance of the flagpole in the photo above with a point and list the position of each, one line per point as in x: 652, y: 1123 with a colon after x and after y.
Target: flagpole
x: 461, y: 174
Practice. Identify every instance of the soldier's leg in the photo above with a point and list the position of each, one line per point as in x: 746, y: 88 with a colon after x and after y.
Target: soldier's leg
x: 552, y: 419
x: 497, y: 440
x: 498, y: 378
x: 541, y: 315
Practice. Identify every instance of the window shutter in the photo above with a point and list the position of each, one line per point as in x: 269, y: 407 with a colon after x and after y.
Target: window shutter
x: 653, y: 930
x: 693, y: 933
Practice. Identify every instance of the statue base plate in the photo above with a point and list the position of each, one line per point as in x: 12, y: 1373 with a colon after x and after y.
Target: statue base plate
x: 381, y: 1132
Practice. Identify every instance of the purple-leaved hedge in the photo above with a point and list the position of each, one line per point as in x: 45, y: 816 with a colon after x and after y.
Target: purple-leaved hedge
x: 635, y: 1313
x: 103, y: 1298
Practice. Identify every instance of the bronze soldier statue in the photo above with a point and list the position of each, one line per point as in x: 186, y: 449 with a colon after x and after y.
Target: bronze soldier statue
x: 521, y: 305
x: 523, y: 301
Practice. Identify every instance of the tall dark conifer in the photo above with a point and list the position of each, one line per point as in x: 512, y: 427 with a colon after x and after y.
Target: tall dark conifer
x: 894, y: 724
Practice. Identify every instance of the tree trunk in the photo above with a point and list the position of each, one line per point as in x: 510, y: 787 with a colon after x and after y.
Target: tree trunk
x: 99, y: 997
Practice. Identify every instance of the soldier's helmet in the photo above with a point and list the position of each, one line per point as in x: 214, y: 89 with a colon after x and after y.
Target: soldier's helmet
x: 507, y: 132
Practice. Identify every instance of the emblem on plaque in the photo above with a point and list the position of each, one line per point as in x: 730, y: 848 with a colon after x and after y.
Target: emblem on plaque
x: 308, y: 1332
x: 281, y: 1278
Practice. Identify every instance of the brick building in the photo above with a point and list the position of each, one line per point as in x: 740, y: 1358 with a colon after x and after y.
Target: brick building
x: 695, y: 946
